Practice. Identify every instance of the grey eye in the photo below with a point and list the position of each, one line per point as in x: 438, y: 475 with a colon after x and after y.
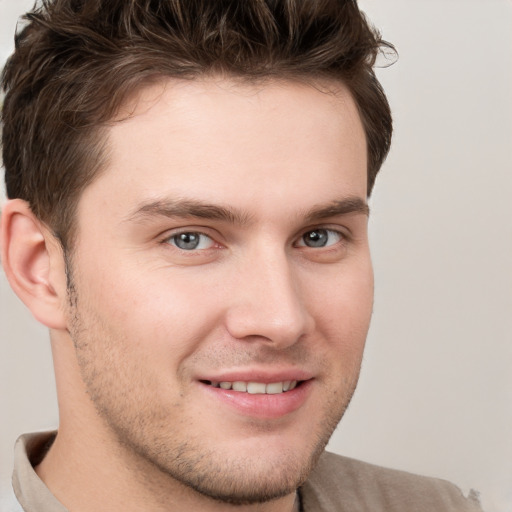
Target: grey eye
x: 190, y: 241
x: 319, y: 238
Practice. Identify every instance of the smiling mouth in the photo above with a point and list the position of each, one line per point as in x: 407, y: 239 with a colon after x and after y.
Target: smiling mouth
x: 256, y: 388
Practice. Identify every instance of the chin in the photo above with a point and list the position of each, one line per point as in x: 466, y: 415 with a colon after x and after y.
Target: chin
x: 247, y: 481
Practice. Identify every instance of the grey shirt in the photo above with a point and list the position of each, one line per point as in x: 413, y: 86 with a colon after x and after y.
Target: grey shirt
x: 337, y: 484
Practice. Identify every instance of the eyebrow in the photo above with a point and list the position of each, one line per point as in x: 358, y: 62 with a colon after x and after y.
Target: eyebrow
x: 192, y: 208
x: 347, y: 206
x: 187, y: 208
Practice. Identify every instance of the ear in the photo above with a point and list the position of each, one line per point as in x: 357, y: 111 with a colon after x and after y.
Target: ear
x: 34, y: 264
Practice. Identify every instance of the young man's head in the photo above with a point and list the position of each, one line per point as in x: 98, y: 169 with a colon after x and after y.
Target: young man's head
x: 188, y: 184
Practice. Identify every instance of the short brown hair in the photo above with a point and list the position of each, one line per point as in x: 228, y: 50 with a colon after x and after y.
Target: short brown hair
x: 76, y: 62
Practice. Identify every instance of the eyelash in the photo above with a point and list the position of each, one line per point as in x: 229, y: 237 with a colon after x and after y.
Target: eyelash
x: 319, y: 232
x: 342, y: 237
x: 175, y: 236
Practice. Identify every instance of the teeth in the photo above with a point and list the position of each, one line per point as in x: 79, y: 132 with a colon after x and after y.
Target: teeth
x: 274, y: 388
x: 240, y: 386
x: 257, y: 388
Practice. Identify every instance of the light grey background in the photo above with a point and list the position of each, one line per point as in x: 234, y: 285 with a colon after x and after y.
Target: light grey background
x: 435, y: 395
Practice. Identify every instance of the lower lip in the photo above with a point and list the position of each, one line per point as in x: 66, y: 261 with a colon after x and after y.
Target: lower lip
x: 262, y: 405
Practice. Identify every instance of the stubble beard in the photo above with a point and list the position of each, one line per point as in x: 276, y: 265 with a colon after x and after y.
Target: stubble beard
x: 145, y: 441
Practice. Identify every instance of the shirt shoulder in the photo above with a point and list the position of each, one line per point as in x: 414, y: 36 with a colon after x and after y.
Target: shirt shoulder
x: 341, y: 484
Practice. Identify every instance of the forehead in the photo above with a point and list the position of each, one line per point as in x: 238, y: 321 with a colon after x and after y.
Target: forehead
x: 232, y: 142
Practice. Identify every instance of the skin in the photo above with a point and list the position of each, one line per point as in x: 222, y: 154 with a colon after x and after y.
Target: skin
x: 145, y: 323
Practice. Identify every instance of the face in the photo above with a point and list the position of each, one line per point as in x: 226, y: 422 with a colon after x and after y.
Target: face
x: 222, y: 284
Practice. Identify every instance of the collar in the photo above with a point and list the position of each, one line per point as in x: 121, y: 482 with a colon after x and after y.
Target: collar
x: 29, y: 489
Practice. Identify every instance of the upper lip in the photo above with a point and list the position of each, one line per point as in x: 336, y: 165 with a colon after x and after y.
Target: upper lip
x: 264, y: 376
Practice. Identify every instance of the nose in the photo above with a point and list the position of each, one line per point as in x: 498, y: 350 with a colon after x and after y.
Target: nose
x: 268, y: 303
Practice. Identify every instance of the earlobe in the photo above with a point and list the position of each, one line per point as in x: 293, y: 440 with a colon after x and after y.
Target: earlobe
x: 29, y: 260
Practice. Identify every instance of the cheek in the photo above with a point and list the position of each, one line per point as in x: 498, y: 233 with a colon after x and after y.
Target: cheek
x: 344, y: 293
x: 163, y: 314
x: 343, y: 310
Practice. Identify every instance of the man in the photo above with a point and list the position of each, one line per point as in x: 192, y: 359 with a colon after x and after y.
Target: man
x: 188, y: 186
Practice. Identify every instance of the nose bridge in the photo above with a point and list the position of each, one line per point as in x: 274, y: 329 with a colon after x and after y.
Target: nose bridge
x: 268, y: 302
